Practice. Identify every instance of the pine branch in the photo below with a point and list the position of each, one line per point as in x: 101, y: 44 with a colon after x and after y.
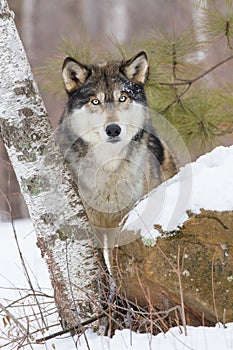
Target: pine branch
x: 177, y: 99
x: 224, y: 132
x: 227, y: 34
x: 202, y: 75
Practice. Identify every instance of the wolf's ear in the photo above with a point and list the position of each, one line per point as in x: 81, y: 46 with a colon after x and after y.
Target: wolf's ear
x: 137, y: 68
x: 74, y: 74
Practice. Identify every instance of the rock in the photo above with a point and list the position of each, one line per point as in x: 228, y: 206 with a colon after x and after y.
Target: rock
x: 148, y: 275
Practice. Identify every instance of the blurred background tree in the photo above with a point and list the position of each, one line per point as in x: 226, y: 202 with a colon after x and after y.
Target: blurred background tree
x: 182, y: 38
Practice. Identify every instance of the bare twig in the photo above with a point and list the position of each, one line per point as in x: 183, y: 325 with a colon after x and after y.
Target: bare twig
x: 211, y: 217
x: 76, y: 328
x: 14, y: 319
x: 149, y: 303
x: 227, y: 32
x: 22, y: 258
x: 213, y: 287
x: 179, y: 273
x: 73, y: 299
x: 26, y: 271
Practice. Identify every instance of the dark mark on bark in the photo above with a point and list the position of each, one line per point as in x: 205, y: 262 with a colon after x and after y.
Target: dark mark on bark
x: 27, y: 112
x: 26, y: 88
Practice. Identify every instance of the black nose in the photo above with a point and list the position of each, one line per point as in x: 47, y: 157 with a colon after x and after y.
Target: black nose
x: 113, y: 130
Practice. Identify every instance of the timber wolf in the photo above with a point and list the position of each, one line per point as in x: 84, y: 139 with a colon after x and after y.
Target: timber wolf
x: 107, y: 137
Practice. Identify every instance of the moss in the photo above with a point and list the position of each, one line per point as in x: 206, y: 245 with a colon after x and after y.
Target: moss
x: 149, y: 242
x: 32, y: 185
x: 62, y: 236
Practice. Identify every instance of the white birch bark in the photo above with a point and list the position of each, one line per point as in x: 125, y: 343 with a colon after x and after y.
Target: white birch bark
x: 198, y: 14
x: 88, y: 8
x: 27, y: 23
x: 116, y: 19
x: 60, y: 221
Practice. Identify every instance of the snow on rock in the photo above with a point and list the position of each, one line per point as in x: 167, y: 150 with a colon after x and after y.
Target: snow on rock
x: 204, y: 184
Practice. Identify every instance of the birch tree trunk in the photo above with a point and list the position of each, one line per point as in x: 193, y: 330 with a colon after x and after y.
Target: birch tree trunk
x: 198, y: 14
x: 116, y: 19
x: 27, y: 24
x: 64, y: 234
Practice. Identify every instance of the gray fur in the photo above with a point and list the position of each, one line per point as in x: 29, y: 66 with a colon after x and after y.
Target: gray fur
x: 112, y: 173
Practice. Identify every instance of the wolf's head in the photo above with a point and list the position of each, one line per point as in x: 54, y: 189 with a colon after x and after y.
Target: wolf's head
x: 107, y: 102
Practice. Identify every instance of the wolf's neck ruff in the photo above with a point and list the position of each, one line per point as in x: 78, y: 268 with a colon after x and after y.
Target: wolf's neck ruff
x: 107, y: 137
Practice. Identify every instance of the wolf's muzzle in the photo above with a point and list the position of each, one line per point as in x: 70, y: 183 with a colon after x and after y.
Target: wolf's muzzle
x: 113, y: 130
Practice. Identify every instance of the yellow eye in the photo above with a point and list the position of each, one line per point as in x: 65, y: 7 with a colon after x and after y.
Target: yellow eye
x: 95, y: 101
x: 122, y: 98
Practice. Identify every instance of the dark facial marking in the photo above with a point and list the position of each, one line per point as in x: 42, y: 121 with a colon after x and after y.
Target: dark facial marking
x: 134, y: 91
x: 106, y: 79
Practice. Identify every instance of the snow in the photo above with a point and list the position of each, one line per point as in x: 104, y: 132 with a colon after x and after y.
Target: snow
x: 204, y: 184
x: 207, y: 183
x: 199, y: 338
x: 10, y: 259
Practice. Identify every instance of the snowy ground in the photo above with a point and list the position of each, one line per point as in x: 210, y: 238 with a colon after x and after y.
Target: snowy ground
x: 16, y: 283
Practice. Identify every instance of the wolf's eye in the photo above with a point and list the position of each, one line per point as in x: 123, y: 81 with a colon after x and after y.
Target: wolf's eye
x: 95, y: 101
x: 122, y: 98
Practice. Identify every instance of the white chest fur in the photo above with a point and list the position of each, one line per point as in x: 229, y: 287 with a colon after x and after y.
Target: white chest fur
x: 108, y: 180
